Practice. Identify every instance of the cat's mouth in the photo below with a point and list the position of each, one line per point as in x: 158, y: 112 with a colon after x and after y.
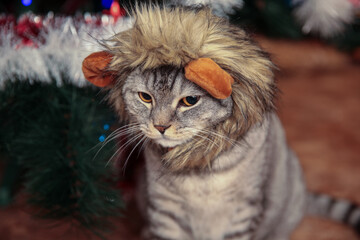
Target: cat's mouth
x: 168, y: 139
x: 168, y: 142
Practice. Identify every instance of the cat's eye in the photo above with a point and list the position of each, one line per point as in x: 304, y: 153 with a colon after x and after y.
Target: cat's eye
x: 189, y: 101
x: 145, y: 97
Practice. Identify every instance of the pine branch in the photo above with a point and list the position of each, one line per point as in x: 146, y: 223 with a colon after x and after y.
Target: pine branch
x: 51, y: 131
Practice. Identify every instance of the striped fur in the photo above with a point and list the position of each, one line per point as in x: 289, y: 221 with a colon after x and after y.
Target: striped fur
x: 253, y: 191
x: 340, y: 210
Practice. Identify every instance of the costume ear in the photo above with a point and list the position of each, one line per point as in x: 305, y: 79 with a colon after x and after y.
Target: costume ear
x: 95, y: 70
x: 208, y: 75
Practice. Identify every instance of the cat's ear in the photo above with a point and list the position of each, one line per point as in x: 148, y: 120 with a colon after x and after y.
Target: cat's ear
x: 205, y: 73
x: 95, y: 69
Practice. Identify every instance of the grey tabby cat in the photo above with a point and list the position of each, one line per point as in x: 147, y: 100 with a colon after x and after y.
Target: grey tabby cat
x: 252, y: 191
x: 216, y: 168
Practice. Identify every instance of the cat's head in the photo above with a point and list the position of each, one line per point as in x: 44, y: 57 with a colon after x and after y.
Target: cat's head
x: 169, y: 108
x: 144, y: 72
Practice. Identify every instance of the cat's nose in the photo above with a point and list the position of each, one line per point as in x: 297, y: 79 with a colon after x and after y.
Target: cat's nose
x: 161, y: 128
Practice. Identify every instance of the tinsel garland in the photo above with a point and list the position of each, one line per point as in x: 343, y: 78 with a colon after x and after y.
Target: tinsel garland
x: 37, y: 48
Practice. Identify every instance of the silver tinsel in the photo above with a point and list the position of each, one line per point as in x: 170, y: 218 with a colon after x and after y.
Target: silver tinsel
x: 57, y: 50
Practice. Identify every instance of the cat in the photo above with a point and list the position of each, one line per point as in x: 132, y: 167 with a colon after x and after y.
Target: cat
x: 216, y: 168
x: 251, y: 187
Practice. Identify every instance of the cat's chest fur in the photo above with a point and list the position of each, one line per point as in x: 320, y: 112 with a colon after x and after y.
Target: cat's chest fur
x: 207, y: 205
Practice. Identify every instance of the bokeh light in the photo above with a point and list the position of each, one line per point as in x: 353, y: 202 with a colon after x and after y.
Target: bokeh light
x: 106, y: 3
x: 102, y: 138
x: 26, y: 2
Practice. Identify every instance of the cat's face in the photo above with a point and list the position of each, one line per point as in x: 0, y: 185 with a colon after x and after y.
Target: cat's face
x: 170, y: 109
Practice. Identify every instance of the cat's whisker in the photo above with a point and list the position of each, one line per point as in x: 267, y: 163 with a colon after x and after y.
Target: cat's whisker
x: 123, y: 147
x: 127, y: 159
x: 127, y: 129
x: 122, y: 130
x: 146, y: 141
x: 216, y: 134
x: 231, y: 141
x: 210, y: 133
x: 207, y: 139
x: 118, y: 134
x: 109, y: 138
x: 125, y: 132
x: 127, y: 126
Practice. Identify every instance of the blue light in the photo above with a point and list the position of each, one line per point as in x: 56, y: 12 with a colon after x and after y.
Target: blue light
x: 106, y: 127
x: 102, y: 138
x: 26, y: 2
x: 106, y: 3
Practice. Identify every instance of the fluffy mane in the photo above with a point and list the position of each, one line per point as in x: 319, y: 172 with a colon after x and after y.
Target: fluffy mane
x: 176, y: 36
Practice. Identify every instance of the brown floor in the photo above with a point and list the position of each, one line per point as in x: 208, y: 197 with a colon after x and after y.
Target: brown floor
x: 319, y: 107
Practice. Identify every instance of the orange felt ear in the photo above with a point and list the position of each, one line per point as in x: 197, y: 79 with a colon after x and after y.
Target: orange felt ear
x: 94, y: 69
x: 208, y: 75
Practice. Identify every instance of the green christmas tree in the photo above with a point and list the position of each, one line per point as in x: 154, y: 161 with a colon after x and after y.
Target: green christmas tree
x: 51, y: 134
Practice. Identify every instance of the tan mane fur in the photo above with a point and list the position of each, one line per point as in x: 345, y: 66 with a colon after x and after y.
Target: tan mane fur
x: 176, y: 36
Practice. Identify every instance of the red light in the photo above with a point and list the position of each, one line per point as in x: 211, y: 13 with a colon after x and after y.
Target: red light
x: 115, y: 9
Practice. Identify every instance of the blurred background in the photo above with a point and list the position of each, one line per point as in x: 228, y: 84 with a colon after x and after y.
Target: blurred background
x: 55, y: 182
